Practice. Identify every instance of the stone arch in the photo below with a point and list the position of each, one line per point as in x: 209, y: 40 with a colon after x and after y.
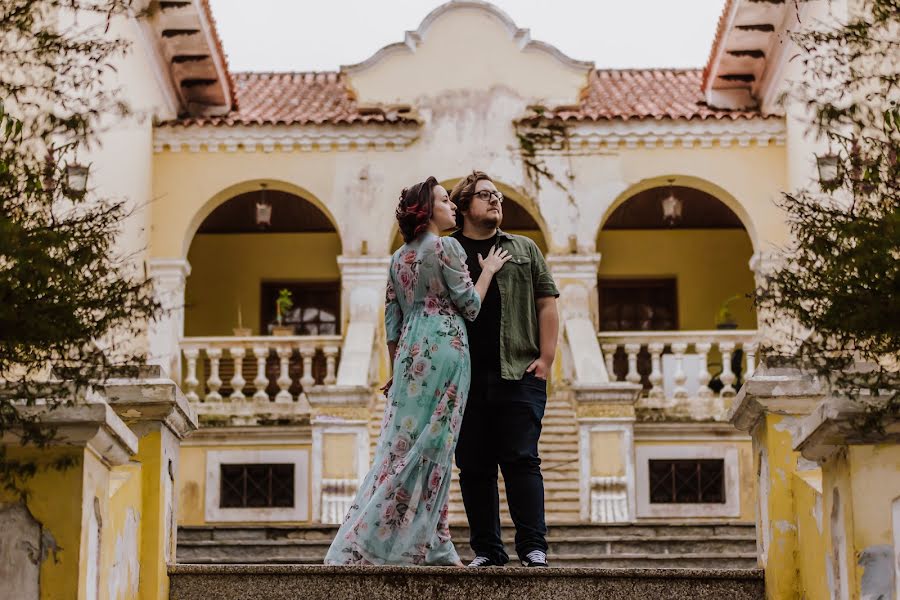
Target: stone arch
x: 721, y: 194
x: 250, y: 186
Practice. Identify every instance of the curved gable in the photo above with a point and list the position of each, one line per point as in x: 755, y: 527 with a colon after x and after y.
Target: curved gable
x: 467, y: 45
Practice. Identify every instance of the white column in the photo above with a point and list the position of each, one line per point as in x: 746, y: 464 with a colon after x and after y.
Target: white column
x: 363, y: 282
x: 261, y: 382
x: 656, y: 350
x: 284, y: 379
x: 237, y: 381
x: 632, y: 351
x: 164, y: 335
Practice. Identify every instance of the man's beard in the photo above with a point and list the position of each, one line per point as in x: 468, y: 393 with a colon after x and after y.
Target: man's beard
x: 490, y: 220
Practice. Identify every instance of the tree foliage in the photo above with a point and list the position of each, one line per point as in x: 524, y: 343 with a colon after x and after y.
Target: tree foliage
x: 70, y: 303
x: 839, y: 280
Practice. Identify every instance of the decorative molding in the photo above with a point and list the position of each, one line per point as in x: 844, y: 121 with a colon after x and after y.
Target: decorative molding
x: 285, y: 138
x: 729, y: 453
x: 148, y: 400
x: 686, y: 133
x: 214, y: 462
x: 522, y: 37
x: 574, y: 266
x: 586, y: 481
x: 677, y: 431
x: 321, y: 427
x: 609, y: 500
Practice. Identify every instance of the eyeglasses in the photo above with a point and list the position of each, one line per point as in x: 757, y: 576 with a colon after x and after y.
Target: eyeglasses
x: 489, y: 196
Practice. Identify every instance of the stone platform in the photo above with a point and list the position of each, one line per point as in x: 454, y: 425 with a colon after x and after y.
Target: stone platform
x: 290, y: 582
x: 724, y: 545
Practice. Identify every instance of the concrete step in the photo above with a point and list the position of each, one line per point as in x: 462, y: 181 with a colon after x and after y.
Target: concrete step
x: 725, y: 545
x: 288, y: 582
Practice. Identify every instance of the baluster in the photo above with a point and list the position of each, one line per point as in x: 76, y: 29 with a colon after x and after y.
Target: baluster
x: 609, y: 353
x: 750, y: 352
x: 703, y: 374
x: 680, y: 378
x: 656, y: 350
x: 632, y: 351
x: 191, y: 382
x: 214, y: 382
x: 261, y: 381
x: 284, y: 378
x: 330, y: 364
x: 237, y: 380
x: 307, y: 380
x: 727, y: 377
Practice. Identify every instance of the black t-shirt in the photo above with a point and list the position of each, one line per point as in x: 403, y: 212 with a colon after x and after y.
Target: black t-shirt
x: 484, y: 331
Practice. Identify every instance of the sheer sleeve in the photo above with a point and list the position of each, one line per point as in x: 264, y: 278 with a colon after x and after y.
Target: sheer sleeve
x: 456, y: 277
x: 393, y: 314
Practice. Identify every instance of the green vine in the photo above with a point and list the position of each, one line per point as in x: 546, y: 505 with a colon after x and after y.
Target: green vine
x: 538, y: 136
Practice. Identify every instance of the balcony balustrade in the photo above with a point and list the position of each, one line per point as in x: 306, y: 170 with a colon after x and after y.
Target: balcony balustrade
x: 692, y: 372
x: 248, y: 378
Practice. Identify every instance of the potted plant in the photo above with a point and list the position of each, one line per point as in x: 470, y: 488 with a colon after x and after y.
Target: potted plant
x: 724, y: 317
x: 283, y: 304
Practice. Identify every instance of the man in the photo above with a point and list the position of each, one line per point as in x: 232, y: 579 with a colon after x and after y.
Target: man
x: 512, y: 345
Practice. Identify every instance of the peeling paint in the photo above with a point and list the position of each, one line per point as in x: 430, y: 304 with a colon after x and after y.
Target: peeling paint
x: 878, y: 572
x: 785, y: 526
x: 125, y: 571
x: 817, y: 512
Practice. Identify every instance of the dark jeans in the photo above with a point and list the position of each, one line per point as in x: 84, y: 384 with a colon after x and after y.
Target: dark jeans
x: 501, y: 427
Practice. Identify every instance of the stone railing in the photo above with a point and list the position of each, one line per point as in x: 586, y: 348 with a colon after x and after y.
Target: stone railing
x: 690, y: 370
x: 257, y: 370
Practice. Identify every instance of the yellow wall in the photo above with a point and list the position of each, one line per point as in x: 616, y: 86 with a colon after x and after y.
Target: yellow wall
x: 191, y: 484
x: 812, y: 529
x: 746, y: 473
x: 710, y: 265
x: 227, y: 269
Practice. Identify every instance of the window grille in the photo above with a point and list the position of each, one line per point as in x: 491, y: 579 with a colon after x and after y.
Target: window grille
x: 687, y: 481
x: 257, y: 486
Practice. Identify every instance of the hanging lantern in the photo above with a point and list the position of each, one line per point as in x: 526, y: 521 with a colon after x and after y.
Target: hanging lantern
x: 828, y: 168
x: 263, y: 210
x: 671, y: 207
x: 76, y: 179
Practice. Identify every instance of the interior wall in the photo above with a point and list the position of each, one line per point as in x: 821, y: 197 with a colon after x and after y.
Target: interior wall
x: 227, y: 270
x: 709, y: 265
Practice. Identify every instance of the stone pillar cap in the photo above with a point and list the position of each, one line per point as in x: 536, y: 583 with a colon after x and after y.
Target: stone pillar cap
x: 835, y: 423
x: 143, y: 395
x: 93, y: 425
x: 780, y: 390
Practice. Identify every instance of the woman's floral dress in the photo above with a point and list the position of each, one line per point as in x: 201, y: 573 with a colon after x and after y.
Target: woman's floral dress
x: 399, y: 515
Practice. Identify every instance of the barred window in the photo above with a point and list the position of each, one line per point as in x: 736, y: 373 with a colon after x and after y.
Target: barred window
x: 687, y: 481
x: 257, y: 486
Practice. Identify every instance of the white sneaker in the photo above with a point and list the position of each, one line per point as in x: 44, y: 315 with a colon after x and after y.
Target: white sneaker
x: 482, y: 561
x: 535, y: 558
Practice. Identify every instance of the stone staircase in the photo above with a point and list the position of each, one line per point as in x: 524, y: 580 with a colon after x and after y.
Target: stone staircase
x: 289, y: 582
x: 559, y: 463
x: 645, y: 545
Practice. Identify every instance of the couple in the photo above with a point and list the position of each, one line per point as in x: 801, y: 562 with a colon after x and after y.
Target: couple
x: 483, y: 348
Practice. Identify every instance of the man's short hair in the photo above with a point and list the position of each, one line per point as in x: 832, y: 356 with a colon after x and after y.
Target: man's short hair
x: 462, y: 192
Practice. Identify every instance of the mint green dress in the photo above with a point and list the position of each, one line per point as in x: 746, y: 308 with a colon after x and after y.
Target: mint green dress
x: 399, y: 515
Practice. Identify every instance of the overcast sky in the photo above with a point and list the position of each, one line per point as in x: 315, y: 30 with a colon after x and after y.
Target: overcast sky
x: 322, y: 35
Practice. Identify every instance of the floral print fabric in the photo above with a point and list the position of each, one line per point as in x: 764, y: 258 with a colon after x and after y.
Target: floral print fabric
x: 399, y: 515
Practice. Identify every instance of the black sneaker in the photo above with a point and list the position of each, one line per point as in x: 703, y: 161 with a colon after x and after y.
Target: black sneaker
x: 483, y: 561
x: 535, y: 558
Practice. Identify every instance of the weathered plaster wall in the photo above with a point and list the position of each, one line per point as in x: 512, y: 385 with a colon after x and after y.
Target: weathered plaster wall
x: 746, y: 477
x: 191, y: 484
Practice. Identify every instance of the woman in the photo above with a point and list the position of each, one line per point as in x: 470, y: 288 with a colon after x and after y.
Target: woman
x: 399, y: 515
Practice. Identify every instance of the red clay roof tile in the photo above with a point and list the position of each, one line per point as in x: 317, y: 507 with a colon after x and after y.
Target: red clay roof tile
x: 296, y: 99
x: 644, y: 94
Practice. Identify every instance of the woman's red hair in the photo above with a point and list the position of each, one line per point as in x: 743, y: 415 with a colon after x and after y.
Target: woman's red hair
x: 416, y: 208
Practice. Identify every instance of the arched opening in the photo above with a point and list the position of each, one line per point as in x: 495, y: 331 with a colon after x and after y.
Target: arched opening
x: 518, y: 217
x: 246, y: 251
x: 675, y: 259
x: 239, y: 263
